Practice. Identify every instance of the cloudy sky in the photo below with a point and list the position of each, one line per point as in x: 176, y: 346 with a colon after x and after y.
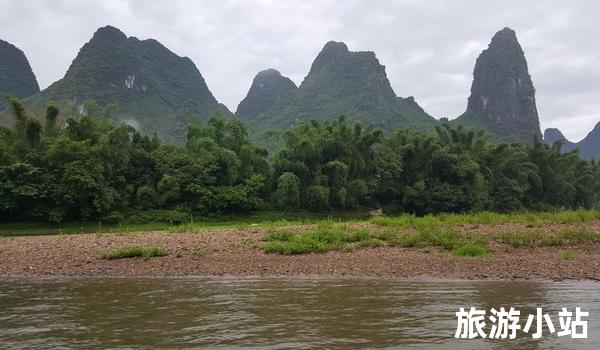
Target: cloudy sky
x: 428, y: 47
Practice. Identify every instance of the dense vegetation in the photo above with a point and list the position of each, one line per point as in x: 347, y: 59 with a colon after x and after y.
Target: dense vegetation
x: 91, y: 170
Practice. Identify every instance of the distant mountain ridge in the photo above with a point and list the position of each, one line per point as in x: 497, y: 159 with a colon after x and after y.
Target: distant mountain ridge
x: 154, y: 89
x: 16, y: 76
x: 158, y: 91
x: 268, y: 88
x: 341, y: 82
x: 502, y: 99
x: 589, y: 147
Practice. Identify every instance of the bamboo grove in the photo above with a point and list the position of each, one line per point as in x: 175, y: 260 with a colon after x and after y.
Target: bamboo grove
x: 90, y: 169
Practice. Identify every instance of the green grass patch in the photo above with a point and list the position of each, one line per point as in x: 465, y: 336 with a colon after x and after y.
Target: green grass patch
x: 370, y: 243
x: 325, y: 237
x: 536, y: 238
x: 533, y: 219
x: 518, y: 239
x: 569, y: 255
x: 135, y: 252
x: 175, y: 221
x: 576, y: 235
x: 471, y: 250
x: 429, y: 232
x: 405, y: 220
x: 38, y: 229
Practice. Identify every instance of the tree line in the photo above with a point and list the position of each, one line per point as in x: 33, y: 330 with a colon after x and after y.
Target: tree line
x: 91, y: 169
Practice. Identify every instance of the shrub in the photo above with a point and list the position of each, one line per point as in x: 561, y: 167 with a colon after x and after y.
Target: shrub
x: 113, y: 218
x: 174, y: 216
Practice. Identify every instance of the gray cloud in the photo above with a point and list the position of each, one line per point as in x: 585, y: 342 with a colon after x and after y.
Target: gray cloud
x: 429, y: 47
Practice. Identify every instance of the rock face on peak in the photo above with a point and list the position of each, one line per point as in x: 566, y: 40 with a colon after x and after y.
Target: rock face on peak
x: 268, y: 88
x: 551, y: 135
x: 589, y: 147
x: 342, y: 82
x: 154, y: 89
x: 16, y: 77
x: 502, y: 97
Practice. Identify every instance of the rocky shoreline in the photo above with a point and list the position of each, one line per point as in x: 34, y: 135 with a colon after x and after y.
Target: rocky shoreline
x: 236, y: 252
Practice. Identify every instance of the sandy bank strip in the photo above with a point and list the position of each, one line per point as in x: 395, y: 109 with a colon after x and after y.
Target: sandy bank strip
x: 234, y: 252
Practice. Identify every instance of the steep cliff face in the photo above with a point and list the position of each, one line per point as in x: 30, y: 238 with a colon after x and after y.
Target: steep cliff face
x: 589, y: 147
x: 153, y: 88
x: 551, y: 135
x: 502, y: 99
x: 268, y: 88
x: 16, y: 77
x: 354, y: 84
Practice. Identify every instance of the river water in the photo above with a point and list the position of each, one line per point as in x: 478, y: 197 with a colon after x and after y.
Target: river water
x: 275, y: 313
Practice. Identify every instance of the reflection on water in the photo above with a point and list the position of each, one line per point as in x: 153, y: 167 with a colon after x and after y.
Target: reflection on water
x: 273, y: 313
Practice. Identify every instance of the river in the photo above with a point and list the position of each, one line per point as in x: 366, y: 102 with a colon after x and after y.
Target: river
x: 284, y: 313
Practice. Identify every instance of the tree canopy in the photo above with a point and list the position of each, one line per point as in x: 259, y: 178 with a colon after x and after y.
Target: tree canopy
x: 93, y: 170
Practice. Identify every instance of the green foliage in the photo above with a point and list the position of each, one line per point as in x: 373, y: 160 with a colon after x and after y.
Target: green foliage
x: 51, y: 119
x: 535, y: 238
x: 92, y: 169
x: 135, y: 252
x: 317, y: 198
x: 333, y: 162
x: 113, y: 218
x: 287, y: 195
x: 569, y: 255
x: 326, y: 237
x: 472, y: 250
x: 139, y: 82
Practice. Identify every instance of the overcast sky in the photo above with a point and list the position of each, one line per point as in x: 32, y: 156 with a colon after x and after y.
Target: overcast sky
x: 428, y: 47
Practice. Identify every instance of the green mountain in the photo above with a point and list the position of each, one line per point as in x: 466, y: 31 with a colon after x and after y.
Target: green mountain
x: 589, y: 147
x: 341, y: 82
x: 16, y: 77
x: 268, y: 88
x: 153, y: 88
x: 502, y: 97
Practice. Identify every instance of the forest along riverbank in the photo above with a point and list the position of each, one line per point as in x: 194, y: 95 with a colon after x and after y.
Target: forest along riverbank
x: 397, y: 248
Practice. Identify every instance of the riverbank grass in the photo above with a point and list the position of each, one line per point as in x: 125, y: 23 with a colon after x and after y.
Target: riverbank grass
x: 345, y: 237
x: 533, y: 219
x: 536, y: 238
x: 325, y: 237
x: 135, y: 252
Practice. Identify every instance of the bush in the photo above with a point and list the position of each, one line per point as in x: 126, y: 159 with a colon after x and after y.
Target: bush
x: 113, y: 218
x: 174, y: 216
x: 317, y: 198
